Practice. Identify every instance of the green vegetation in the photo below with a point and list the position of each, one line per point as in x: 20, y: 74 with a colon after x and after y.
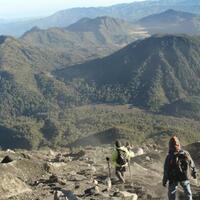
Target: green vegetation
x: 89, y: 102
x: 150, y: 73
x: 98, y: 123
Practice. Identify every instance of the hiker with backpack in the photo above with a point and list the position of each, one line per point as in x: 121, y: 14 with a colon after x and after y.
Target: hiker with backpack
x: 178, y: 169
x: 120, y: 159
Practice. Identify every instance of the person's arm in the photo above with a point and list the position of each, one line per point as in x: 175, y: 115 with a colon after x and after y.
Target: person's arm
x: 166, y: 171
x: 192, y: 166
x: 129, y: 154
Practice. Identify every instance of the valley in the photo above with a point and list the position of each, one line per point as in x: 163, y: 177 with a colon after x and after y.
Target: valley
x: 76, y: 81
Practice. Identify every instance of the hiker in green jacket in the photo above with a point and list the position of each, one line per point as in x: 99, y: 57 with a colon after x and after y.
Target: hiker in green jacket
x: 120, y: 159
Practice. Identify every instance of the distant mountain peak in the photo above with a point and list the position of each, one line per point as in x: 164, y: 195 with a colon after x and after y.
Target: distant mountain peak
x: 96, y: 20
x: 170, y: 11
x: 177, y: 12
x: 88, y: 21
x: 172, y: 21
x: 93, y: 24
x: 34, y: 29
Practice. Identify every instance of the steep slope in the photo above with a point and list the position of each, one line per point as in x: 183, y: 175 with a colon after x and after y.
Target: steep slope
x: 27, y: 96
x: 172, y: 21
x: 23, y: 85
x: 19, y: 62
x: 152, y: 72
x: 109, y: 30
x: 65, y: 47
x: 129, y: 12
x: 22, y: 60
x: 87, y: 39
x: 17, y: 55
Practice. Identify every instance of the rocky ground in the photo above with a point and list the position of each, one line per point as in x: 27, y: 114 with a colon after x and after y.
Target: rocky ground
x: 83, y: 174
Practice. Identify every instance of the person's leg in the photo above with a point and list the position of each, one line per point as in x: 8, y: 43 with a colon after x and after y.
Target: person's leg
x: 120, y: 175
x: 172, y: 190
x: 187, y: 189
x: 123, y: 170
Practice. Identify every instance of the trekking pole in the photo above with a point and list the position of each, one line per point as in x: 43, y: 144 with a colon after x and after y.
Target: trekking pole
x: 109, y: 170
x: 108, y: 180
x: 129, y: 167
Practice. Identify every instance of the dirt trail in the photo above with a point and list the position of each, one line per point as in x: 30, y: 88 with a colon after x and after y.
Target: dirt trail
x: 37, y: 175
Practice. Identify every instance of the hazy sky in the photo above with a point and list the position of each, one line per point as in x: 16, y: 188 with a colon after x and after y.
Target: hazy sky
x: 30, y: 8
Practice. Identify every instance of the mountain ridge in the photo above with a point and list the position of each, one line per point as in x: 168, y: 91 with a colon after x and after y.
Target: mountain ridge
x: 172, y: 22
x: 144, y: 66
x: 130, y: 12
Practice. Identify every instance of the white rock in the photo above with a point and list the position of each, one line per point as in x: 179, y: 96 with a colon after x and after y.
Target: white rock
x: 139, y: 152
x: 132, y: 196
x: 148, y: 158
x: 93, y: 169
x: 95, y: 182
x: 69, y: 158
x: 96, y: 188
x: 10, y: 151
x: 51, y: 153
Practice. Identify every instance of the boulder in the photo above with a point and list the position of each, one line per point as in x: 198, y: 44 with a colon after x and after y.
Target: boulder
x: 53, y: 166
x: 128, y: 196
x: 53, y: 179
x: 7, y: 159
x: 26, y: 156
x: 51, y: 153
x: 76, y: 177
x: 95, y: 190
x: 12, y: 186
x: 76, y: 156
x: 25, y: 169
x: 64, y: 195
x: 139, y: 152
x: 59, y: 195
x: 147, y: 158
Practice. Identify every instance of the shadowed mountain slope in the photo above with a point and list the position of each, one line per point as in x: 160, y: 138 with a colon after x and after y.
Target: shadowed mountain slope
x: 172, y: 21
x: 155, y: 71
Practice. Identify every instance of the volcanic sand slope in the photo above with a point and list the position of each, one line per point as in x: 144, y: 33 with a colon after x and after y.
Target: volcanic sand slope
x: 43, y: 172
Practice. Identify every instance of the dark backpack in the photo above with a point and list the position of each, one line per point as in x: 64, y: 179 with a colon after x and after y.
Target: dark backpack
x: 121, y: 157
x: 178, y: 166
